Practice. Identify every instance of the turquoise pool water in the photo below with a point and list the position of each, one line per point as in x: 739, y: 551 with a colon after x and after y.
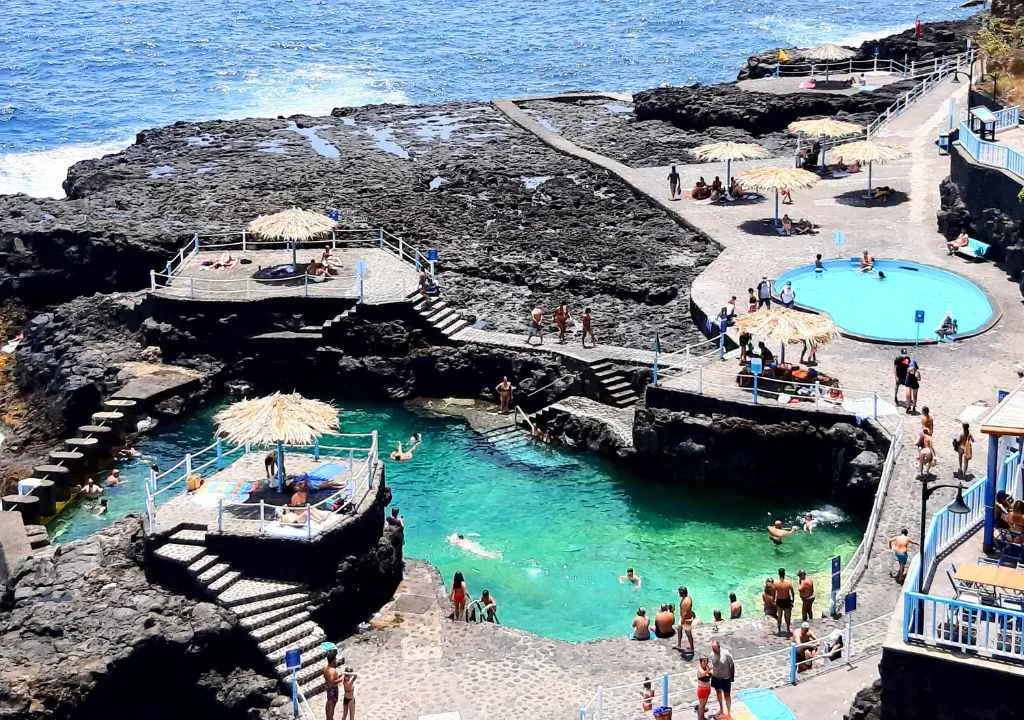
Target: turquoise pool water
x: 565, y: 525
x: 884, y: 309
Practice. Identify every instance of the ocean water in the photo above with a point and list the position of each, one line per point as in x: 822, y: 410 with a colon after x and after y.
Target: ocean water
x: 555, y: 526
x: 79, y: 79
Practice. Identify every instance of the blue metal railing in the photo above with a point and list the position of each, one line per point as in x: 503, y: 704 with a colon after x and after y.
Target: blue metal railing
x: 963, y: 626
x: 995, y: 154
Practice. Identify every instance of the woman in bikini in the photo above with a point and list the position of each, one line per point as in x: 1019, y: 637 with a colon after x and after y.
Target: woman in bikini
x: 458, y: 596
x: 703, y: 685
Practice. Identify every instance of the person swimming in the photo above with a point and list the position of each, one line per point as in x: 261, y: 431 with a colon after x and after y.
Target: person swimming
x: 401, y: 455
x: 472, y: 546
x: 776, y: 532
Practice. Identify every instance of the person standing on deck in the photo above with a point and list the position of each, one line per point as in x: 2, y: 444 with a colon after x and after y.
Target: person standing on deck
x: 900, y: 366
x: 723, y: 672
x: 673, y: 183
x: 536, y: 324
x: 505, y: 389
x: 764, y: 293
x: 806, y: 590
x: 562, y: 321
x: 686, y: 618
x: 588, y: 328
x: 332, y: 679
x: 783, y: 601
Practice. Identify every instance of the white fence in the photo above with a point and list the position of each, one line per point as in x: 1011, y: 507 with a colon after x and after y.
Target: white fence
x: 243, y: 242
x: 943, y: 68
x: 908, y: 69
x: 304, y: 522
x: 995, y: 154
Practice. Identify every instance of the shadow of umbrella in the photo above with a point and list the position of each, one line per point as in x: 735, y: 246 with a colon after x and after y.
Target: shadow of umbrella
x: 855, y: 198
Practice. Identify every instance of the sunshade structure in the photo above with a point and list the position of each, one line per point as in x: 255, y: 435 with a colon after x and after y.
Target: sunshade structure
x: 870, y: 152
x: 729, y: 151
x: 275, y: 420
x: 828, y: 52
x: 763, y: 179
x: 824, y: 127
x: 784, y: 325
x: 292, y: 225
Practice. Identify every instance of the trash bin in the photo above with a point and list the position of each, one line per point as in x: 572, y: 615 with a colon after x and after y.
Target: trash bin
x: 663, y: 713
x: 943, y: 143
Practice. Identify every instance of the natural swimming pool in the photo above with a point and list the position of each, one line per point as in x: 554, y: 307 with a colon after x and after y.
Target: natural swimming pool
x: 865, y: 306
x: 566, y: 524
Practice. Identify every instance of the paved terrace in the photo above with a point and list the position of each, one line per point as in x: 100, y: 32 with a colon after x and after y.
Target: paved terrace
x: 791, y: 84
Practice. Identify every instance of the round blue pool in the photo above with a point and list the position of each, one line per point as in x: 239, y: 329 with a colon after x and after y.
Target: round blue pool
x: 869, y: 307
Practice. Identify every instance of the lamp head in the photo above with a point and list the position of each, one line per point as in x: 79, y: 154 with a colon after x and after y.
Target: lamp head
x: 958, y: 506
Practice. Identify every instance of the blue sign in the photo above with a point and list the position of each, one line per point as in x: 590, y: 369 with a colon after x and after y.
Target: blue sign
x: 851, y: 602
x: 361, y: 268
x: 293, y: 659
x: 756, y: 366
x: 919, y: 316
x: 431, y: 254
x: 839, y: 238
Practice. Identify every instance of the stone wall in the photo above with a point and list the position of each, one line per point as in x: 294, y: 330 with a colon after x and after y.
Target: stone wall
x: 983, y: 201
x: 698, y: 440
x: 933, y: 687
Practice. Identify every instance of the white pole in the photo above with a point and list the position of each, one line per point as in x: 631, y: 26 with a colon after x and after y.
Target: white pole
x: 220, y: 515
x: 152, y: 279
x: 243, y: 241
x: 191, y: 287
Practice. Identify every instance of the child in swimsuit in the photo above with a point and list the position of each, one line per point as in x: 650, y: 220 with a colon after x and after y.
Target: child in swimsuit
x: 647, y: 696
x: 348, y: 703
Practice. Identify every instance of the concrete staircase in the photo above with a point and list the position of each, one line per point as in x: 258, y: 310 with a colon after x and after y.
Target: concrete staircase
x: 507, y: 438
x: 275, y: 614
x: 438, y: 314
x: 614, y: 385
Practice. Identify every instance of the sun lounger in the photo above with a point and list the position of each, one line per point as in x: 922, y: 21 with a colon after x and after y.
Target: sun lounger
x: 974, y: 250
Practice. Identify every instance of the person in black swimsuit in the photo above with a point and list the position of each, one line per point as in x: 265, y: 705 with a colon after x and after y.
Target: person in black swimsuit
x: 332, y: 678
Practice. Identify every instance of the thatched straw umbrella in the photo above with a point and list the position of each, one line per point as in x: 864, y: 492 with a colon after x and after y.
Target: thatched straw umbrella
x: 784, y: 325
x: 777, y: 178
x: 870, y: 152
x: 277, y: 419
x: 292, y: 225
x: 824, y: 127
x: 729, y: 151
x: 828, y: 52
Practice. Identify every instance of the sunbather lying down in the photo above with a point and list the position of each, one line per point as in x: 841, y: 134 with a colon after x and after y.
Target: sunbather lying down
x: 797, y: 227
x: 299, y: 516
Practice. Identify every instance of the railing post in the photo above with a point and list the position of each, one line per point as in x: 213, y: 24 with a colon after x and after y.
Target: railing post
x: 192, y: 287
x: 167, y: 270
x: 600, y: 703
x: 309, y: 522
x: 188, y: 464
x: 380, y: 237
x: 334, y: 240
x: 664, y: 690
x: 817, y: 394
x: 792, y: 664
x: 220, y: 515
x: 316, y: 448
x: 401, y: 248
x: 262, y: 519
x: 220, y: 454
x: 152, y: 478
x: 243, y: 241
x: 152, y: 279
x: 875, y: 404
x: 305, y: 285
x: 700, y: 379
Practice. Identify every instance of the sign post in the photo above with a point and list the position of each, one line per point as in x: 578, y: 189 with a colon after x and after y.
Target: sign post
x: 432, y: 257
x: 836, y: 583
x: 756, y: 367
x: 362, y: 270
x: 919, y: 321
x: 850, y: 605
x: 293, y: 661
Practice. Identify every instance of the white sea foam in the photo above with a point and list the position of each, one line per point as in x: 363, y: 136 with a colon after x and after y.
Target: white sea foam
x: 794, y: 32
x: 41, y: 173
x: 314, y: 89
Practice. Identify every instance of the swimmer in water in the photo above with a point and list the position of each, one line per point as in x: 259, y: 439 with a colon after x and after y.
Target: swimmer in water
x: 632, y: 578
x: 472, y: 546
x: 867, y: 263
x: 808, y: 523
x: 401, y: 455
x: 776, y: 532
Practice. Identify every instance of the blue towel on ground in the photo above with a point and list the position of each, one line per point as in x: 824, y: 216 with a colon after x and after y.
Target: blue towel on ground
x: 976, y: 247
x: 764, y: 705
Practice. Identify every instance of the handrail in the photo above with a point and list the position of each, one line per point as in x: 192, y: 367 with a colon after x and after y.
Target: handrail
x: 949, y: 65
x: 913, y: 68
x: 545, y: 387
x: 515, y: 419
x: 991, y: 154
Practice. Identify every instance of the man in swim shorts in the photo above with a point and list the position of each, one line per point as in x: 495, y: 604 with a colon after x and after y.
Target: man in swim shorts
x: 664, y: 622
x: 900, y: 545
x: 536, y: 325
x: 776, y: 532
x: 783, y: 600
x: 806, y: 590
x: 686, y: 618
x: 332, y: 679
x: 723, y: 672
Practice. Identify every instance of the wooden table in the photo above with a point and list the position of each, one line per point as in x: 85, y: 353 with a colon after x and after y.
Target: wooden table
x: 991, y: 577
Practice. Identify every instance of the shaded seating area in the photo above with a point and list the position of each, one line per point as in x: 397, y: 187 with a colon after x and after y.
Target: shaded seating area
x: 792, y: 383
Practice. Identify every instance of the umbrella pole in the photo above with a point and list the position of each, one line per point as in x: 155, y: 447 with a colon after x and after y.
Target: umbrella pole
x: 869, y: 179
x: 294, y: 261
x: 280, y: 466
x: 776, y: 206
x: 728, y: 177
x: 782, y: 352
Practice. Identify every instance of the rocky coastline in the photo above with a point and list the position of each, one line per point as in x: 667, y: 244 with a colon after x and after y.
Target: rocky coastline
x: 516, y: 224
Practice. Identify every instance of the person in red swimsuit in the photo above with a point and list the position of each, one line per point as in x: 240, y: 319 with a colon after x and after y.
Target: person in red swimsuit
x: 703, y: 685
x: 458, y: 597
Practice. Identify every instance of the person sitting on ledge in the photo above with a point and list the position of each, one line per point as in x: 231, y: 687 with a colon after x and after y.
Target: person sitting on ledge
x: 641, y: 625
x: 787, y: 225
x: 316, y: 269
x: 947, y: 329
x: 225, y: 261
x: 960, y: 242
x: 766, y: 355
x: 700, y: 191
x: 867, y: 263
x: 330, y: 262
x: 664, y: 622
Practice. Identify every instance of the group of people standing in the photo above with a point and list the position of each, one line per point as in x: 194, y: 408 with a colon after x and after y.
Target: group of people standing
x: 561, y: 317
x: 715, y: 672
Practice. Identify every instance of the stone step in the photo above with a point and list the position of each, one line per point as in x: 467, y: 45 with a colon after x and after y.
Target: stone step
x: 203, y: 563
x: 224, y: 581
x: 313, y: 657
x: 458, y: 326
x: 96, y: 430
x: 70, y: 457
x: 625, y: 402
x: 618, y: 386
x: 245, y: 610
x: 51, y: 472
x: 606, y: 373
x: 312, y: 329
x: 262, y: 619
x: 307, y: 675
x: 189, y: 536
x: 315, y: 687
x: 81, y: 443
x: 120, y: 404
x: 265, y: 632
x: 180, y: 553
x: 108, y: 416
x: 37, y: 536
x: 434, y: 308
x: 463, y: 334
x: 600, y: 365
x: 436, y: 318
x: 213, y: 573
x: 443, y: 326
x: 304, y: 635
x: 247, y: 591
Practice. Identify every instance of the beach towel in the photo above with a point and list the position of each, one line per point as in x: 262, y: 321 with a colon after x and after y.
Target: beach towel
x: 230, y: 491
x: 976, y: 248
x: 760, y: 704
x: 324, y: 473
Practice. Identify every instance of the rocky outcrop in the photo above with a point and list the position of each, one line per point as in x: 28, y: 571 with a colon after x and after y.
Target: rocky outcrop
x: 867, y: 703
x: 86, y: 636
x: 938, y: 39
x: 700, y: 107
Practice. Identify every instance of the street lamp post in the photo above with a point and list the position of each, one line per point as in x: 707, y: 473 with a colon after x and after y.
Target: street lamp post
x: 957, y: 507
x: 970, y: 71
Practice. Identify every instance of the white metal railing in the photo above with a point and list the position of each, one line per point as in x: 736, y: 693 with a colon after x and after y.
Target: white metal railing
x: 939, y: 71
x: 362, y: 465
x: 244, y: 242
x: 519, y: 412
x: 908, y: 69
x: 989, y: 153
x: 691, y: 357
